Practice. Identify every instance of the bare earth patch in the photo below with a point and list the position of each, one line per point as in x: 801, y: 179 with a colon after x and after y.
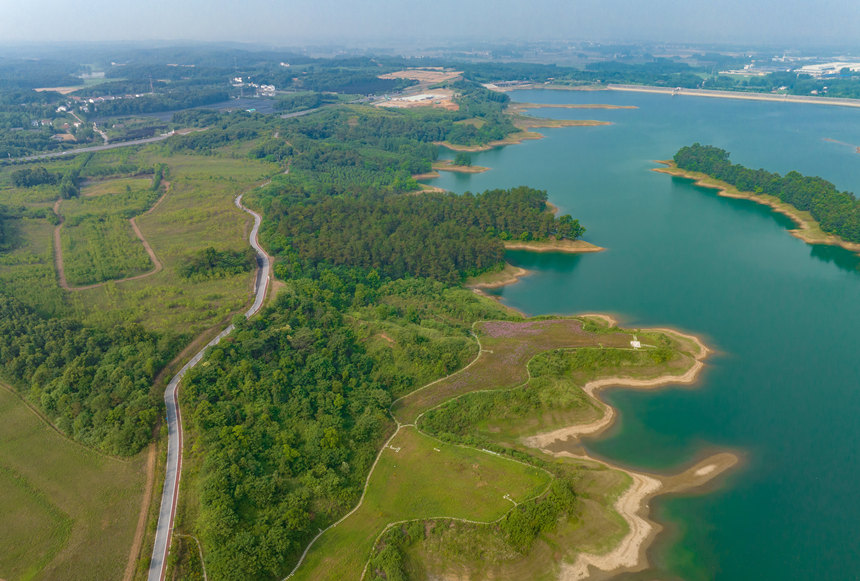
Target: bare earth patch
x: 424, y: 75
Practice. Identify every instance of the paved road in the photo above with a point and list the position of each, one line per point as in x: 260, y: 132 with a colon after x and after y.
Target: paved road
x: 71, y: 152
x: 157, y: 566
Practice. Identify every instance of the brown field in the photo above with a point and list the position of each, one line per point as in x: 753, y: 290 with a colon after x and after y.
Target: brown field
x: 424, y: 75
x: 442, y: 99
x: 60, y: 90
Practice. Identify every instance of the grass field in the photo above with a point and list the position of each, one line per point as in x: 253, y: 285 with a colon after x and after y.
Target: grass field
x: 418, y: 477
x: 27, y: 271
x: 506, y: 348
x: 99, y: 249
x: 68, y: 512
x: 197, y: 212
x: 469, y: 551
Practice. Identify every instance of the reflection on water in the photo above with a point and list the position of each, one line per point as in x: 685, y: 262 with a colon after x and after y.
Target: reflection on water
x: 838, y: 256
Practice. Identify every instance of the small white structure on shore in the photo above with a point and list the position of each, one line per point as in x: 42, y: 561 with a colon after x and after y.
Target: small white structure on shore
x: 635, y: 344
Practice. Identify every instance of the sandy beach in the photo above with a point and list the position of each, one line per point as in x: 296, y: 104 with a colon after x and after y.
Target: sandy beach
x: 509, y: 275
x: 629, y: 555
x: 808, y: 229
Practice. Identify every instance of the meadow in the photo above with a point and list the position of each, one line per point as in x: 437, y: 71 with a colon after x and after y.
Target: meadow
x: 98, y: 243
x: 419, y: 477
x: 506, y: 347
x: 68, y: 512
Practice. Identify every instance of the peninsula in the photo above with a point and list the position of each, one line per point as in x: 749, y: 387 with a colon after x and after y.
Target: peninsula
x: 822, y: 213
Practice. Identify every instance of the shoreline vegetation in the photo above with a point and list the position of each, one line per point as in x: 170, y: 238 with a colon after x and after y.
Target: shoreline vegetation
x: 808, y: 229
x: 630, y: 554
x: 566, y: 246
x: 511, y: 139
x: 511, y: 274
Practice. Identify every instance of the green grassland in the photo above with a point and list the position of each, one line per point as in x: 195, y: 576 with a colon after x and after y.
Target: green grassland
x: 99, y: 249
x: 97, y: 241
x: 419, y: 477
x: 68, y: 512
x: 197, y: 212
x: 505, y: 350
x: 471, y: 551
x: 27, y: 271
x: 499, y: 419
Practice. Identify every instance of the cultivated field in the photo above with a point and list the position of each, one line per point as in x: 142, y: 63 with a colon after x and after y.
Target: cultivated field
x: 98, y: 243
x: 424, y: 75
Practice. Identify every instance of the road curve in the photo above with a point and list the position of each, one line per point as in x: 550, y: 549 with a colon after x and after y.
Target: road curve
x: 158, y: 564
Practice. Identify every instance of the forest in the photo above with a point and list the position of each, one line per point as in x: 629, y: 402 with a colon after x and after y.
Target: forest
x: 96, y: 385
x: 212, y: 263
x: 837, y: 212
x: 441, y: 236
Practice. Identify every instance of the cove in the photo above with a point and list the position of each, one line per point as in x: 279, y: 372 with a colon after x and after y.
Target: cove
x: 783, y: 387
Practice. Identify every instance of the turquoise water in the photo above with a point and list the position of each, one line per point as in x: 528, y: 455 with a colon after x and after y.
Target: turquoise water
x: 784, y: 317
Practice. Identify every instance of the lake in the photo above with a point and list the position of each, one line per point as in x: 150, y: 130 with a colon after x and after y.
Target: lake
x: 782, y: 389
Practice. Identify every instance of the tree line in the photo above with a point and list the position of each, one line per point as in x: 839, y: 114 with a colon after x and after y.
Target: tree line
x: 837, y: 212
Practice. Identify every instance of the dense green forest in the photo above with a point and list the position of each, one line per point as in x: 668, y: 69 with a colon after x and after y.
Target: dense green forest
x: 212, y: 263
x: 837, y: 212
x: 93, y: 384
x: 290, y: 411
x: 442, y: 236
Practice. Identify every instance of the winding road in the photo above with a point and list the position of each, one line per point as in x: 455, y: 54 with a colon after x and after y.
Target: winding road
x: 158, y: 564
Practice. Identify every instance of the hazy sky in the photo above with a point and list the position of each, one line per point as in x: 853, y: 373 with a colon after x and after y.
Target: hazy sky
x: 293, y: 22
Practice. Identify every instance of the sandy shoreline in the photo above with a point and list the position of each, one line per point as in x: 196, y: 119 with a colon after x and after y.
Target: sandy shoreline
x: 593, y: 387
x: 512, y: 139
x: 629, y: 555
x: 567, y: 246
x: 448, y: 165
x: 523, y: 106
x: 509, y: 275
x: 808, y: 228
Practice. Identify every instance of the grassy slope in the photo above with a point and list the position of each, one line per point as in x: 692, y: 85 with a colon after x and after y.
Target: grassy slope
x: 419, y: 477
x: 504, y: 418
x: 80, y: 507
x: 503, y: 357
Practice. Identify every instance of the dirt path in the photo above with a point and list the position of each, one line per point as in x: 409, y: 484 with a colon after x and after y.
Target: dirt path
x: 58, y: 249
x: 134, y: 553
